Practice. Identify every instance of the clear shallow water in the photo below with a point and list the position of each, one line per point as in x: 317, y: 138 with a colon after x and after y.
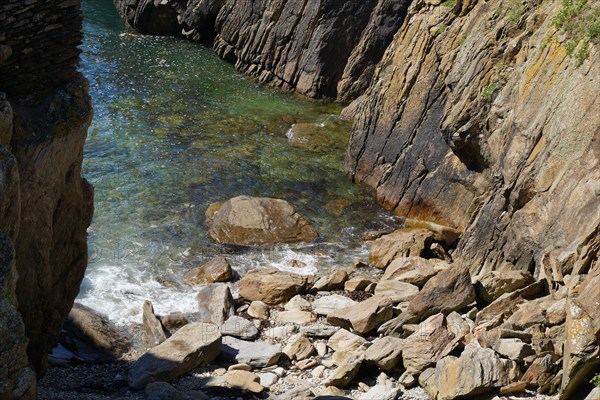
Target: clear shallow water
x: 177, y: 129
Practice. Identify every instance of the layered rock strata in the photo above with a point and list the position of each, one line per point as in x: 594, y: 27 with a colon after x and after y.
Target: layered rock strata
x: 46, y: 206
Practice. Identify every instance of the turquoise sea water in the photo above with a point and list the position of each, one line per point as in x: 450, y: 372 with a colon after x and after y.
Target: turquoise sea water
x: 176, y: 129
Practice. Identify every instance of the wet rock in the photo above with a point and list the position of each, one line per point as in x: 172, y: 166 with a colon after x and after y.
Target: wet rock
x: 346, y: 371
x: 215, y: 270
x: 449, y: 290
x: 385, y: 352
x: 193, y: 345
x: 495, y: 283
x: 329, y: 305
x: 298, y: 348
x: 333, y: 281
x: 475, y: 372
x: 239, y: 327
x: 396, y: 291
x: 400, y: 243
x: 174, y: 321
x: 415, y: 270
x: 253, y: 221
x: 255, y: 354
x: 271, y: 286
x: 364, y: 316
x: 164, y: 391
x: 239, y: 380
x: 154, y: 333
x: 259, y: 310
x: 215, y: 303
x: 94, y: 335
x: 427, y: 345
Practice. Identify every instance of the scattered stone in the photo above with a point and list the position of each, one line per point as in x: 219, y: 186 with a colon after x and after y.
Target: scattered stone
x: 240, y: 380
x: 298, y: 348
x: 400, y: 243
x: 321, y: 348
x: 475, y: 372
x: 164, y: 391
x: 259, y: 310
x: 346, y: 371
x: 255, y: 354
x: 331, y: 392
x: 190, y: 347
x: 513, y: 349
x: 427, y: 345
x: 396, y: 291
x: 215, y: 270
x: 240, y: 328
x: 174, y: 321
x: 528, y: 314
x: 239, y: 367
x: 364, y: 316
x: 330, y: 305
x: 333, y: 281
x: 381, y: 392
x: 407, y: 380
x: 268, y: 379
x: 95, y: 336
x: 504, y: 306
x: 280, y: 332
x: 297, y: 303
x: 448, y: 291
x: 154, y: 334
x: 495, y: 283
x: 271, y: 285
x: 252, y: 221
x: 306, y: 364
x: 557, y: 312
x: 318, y: 372
x: 357, y: 283
x: 296, y: 317
x: 319, y: 330
x: 385, y: 352
x: 415, y: 270
x: 215, y: 303
x: 343, y: 340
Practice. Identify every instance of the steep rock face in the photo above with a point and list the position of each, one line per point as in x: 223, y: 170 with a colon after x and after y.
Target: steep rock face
x: 478, y: 119
x: 304, y: 45
x: 45, y: 205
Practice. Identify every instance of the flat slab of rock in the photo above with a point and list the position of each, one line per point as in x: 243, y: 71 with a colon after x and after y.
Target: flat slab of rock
x: 364, y: 316
x: 215, y: 303
x: 346, y: 371
x: 400, y: 243
x: 357, y: 283
x: 271, y: 285
x: 255, y: 221
x: 328, y: 305
x: 396, y: 291
x: 319, y: 330
x: 215, y: 270
x: 236, y: 379
x: 381, y: 392
x: 495, y: 283
x: 255, y: 354
x: 190, y: 347
x: 296, y: 317
x: 239, y: 327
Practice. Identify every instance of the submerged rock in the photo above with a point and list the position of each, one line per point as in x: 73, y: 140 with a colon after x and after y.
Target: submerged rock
x: 193, y: 345
x: 255, y: 221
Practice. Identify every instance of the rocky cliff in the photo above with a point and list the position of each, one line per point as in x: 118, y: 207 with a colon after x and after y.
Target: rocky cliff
x: 45, y: 205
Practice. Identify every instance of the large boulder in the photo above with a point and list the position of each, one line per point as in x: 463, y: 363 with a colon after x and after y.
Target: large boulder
x: 215, y: 303
x: 93, y: 336
x: 385, y: 352
x: 495, y: 283
x: 431, y: 341
x: 364, y: 316
x: 190, y: 347
x: 400, y: 243
x: 215, y: 270
x: 476, y: 371
x: 448, y: 291
x: 271, y: 285
x: 255, y: 221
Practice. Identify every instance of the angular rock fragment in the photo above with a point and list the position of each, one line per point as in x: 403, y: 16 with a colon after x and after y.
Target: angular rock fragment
x: 271, y: 286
